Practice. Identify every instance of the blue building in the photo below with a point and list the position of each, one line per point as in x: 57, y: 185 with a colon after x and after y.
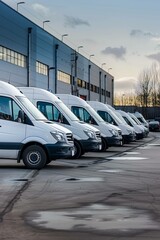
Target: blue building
x: 30, y: 56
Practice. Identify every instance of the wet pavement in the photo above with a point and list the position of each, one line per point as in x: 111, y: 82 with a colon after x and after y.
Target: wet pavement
x: 112, y: 195
x: 95, y: 218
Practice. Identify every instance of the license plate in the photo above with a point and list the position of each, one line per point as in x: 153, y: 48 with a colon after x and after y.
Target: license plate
x: 72, y: 152
x: 100, y: 147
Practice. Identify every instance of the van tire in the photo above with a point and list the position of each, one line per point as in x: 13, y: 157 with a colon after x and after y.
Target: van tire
x: 104, y: 145
x: 34, y: 157
x: 78, y: 150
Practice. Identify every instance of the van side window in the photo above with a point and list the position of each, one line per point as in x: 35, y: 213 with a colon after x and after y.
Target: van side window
x: 83, y: 115
x: 5, y: 108
x: 127, y: 121
x: 51, y: 112
x: 103, y: 115
x: 9, y: 110
x: 106, y: 117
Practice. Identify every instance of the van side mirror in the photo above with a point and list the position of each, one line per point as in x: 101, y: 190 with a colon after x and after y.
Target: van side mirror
x: 20, y: 116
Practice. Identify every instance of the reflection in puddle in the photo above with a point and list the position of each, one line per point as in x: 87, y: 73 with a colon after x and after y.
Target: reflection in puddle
x: 154, y: 144
x: 144, y: 147
x: 111, y: 170
x: 132, y: 153
x: 95, y: 217
x: 126, y: 158
x: 91, y: 179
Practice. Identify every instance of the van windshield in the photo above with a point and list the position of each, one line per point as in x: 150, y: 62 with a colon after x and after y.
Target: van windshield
x: 94, y: 113
x: 67, y: 111
x: 31, y: 108
x: 132, y: 122
x: 115, y: 117
x: 120, y: 117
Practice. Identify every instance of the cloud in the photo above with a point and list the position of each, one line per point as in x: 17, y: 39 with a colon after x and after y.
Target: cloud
x: 139, y: 33
x: 125, y: 84
x: 158, y: 46
x: 40, y: 9
x: 116, y: 52
x: 156, y: 39
x: 155, y: 56
x: 74, y: 22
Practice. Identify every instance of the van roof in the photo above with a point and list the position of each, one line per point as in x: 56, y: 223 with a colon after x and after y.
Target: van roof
x: 72, y: 98
x: 9, y: 89
x: 100, y: 105
x: 42, y: 92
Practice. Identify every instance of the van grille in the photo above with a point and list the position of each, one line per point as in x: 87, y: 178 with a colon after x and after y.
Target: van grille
x: 69, y: 137
x: 98, y: 135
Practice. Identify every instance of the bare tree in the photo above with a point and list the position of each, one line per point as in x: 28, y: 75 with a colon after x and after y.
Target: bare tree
x: 144, y: 87
x: 155, y: 82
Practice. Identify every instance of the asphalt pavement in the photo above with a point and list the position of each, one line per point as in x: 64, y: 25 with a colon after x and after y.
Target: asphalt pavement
x: 104, y: 195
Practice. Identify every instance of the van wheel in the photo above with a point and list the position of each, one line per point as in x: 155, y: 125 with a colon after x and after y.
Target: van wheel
x: 34, y: 157
x: 104, y: 145
x: 77, y: 150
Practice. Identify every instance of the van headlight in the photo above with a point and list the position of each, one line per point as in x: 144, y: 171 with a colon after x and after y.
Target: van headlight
x: 114, y: 132
x: 59, y: 136
x: 129, y: 131
x: 90, y: 134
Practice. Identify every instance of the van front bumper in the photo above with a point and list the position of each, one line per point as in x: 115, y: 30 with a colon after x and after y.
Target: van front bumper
x: 114, y: 141
x: 59, y: 150
x: 139, y: 136
x: 91, y: 145
x: 129, y: 138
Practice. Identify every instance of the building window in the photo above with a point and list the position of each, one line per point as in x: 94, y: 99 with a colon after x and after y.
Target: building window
x: 13, y: 57
x: 79, y: 82
x: 103, y: 91
x: 41, y: 68
x: 64, y: 77
x: 108, y: 94
x: 84, y: 84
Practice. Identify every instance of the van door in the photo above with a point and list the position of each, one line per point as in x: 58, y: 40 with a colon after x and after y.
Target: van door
x: 51, y: 112
x: 107, y: 117
x: 12, y: 130
x: 83, y: 115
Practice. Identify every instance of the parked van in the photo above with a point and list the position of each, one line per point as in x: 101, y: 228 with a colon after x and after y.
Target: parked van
x: 146, y: 130
x: 138, y: 129
x: 109, y: 116
x: 142, y: 119
x: 26, y: 134
x: 111, y: 135
x: 86, y: 137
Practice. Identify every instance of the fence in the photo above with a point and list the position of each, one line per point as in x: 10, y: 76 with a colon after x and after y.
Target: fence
x: 147, y: 112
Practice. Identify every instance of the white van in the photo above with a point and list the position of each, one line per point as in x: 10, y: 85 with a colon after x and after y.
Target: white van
x: 138, y: 129
x: 111, y: 135
x: 26, y: 134
x: 109, y: 116
x: 86, y: 137
x: 146, y: 130
x: 142, y: 119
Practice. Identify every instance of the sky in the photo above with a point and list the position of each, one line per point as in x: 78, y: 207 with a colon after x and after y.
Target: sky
x: 123, y: 35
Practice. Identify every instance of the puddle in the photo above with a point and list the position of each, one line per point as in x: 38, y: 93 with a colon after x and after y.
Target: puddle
x: 96, y: 217
x: 132, y: 153
x: 91, y: 179
x: 126, y: 158
x: 149, y: 146
x: 111, y: 170
x: 145, y: 147
x: 20, y: 180
x: 154, y: 144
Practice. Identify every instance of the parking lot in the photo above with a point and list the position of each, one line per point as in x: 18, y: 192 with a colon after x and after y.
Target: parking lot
x: 104, y: 195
